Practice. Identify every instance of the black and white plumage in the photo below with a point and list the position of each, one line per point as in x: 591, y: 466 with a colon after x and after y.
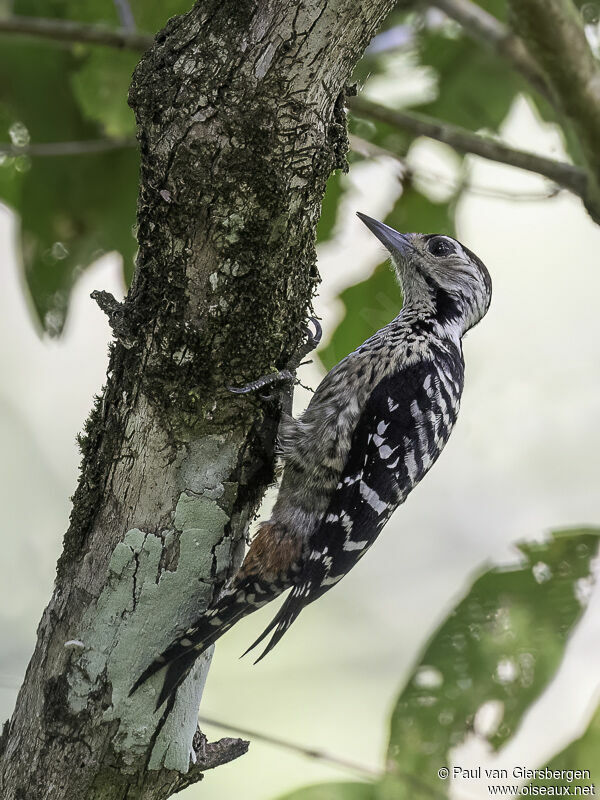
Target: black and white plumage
x: 374, y: 427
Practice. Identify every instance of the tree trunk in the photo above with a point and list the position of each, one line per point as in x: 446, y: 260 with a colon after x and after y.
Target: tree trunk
x: 240, y: 110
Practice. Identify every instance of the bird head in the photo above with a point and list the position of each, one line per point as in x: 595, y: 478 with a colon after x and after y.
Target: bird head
x: 439, y: 276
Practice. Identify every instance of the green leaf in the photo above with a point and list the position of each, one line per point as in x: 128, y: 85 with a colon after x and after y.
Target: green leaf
x: 414, y: 212
x: 24, y: 96
x: 329, y: 207
x: 374, y: 302
x: 91, y: 11
x: 154, y: 16
x: 497, y: 8
x: 102, y: 77
x: 475, y: 88
x: 101, y: 86
x: 334, y: 791
x: 407, y: 787
x: 149, y: 17
x: 71, y: 208
x: 369, y: 305
x: 502, y: 643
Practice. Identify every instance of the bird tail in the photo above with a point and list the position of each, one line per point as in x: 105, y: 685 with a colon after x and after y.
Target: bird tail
x: 288, y: 612
x: 180, y: 656
x: 271, y: 550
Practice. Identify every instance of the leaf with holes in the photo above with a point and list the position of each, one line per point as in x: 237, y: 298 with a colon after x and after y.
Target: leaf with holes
x: 72, y: 208
x: 497, y: 651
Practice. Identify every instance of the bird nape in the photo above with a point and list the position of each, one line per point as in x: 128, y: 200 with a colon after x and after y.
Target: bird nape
x: 374, y: 426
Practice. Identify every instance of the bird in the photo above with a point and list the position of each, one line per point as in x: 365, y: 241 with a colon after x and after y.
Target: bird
x: 375, y: 425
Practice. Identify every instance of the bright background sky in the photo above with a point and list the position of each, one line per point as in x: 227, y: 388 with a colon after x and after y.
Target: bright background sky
x: 522, y: 460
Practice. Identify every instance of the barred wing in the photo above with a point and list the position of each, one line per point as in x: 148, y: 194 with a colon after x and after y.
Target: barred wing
x: 402, y: 430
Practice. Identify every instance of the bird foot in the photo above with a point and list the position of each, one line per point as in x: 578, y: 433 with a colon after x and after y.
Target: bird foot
x: 283, y: 376
x: 288, y: 375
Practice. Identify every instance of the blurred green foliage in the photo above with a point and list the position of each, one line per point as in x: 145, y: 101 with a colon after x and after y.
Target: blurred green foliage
x: 502, y: 643
x: 71, y: 208
x: 499, y: 648
x: 475, y: 89
x: 100, y: 87
x: 329, y: 207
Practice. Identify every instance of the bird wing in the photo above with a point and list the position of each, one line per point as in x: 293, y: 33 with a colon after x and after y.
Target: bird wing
x: 401, y: 431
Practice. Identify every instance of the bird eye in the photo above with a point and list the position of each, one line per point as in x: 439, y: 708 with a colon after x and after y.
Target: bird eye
x: 439, y: 247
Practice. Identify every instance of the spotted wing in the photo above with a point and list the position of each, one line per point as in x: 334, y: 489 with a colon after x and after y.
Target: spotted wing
x: 402, y: 430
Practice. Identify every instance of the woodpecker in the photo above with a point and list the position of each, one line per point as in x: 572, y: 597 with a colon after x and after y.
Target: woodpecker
x: 375, y: 425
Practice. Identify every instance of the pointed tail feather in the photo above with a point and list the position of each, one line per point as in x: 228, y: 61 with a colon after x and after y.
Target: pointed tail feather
x: 265, y: 633
x: 177, y: 672
x: 157, y: 664
x: 281, y: 621
x: 180, y: 656
x: 174, y: 654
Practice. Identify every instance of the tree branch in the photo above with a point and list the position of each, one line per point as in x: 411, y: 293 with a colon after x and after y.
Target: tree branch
x: 43, y: 149
x: 207, y: 755
x: 465, y: 141
x: 371, y: 150
x: 286, y: 744
x: 484, y: 27
x: 328, y: 758
x: 125, y: 14
x: 66, y: 31
x: 555, y: 34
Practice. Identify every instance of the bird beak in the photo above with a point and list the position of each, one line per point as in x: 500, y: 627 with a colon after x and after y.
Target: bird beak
x: 394, y: 241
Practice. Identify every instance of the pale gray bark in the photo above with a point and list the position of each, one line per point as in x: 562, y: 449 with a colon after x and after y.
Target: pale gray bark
x: 240, y: 112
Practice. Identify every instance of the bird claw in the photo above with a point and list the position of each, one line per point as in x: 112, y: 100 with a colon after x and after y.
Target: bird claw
x: 313, y: 339
x: 285, y: 375
x: 266, y: 380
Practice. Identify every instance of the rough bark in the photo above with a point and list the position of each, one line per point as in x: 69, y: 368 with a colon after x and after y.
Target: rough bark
x: 240, y: 117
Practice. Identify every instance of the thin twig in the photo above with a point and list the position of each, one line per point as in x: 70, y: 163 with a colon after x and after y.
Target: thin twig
x: 125, y: 14
x: 66, y: 148
x: 324, y: 756
x: 465, y: 141
x: 62, y: 30
x: 484, y: 27
x: 371, y: 150
x: 309, y: 752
